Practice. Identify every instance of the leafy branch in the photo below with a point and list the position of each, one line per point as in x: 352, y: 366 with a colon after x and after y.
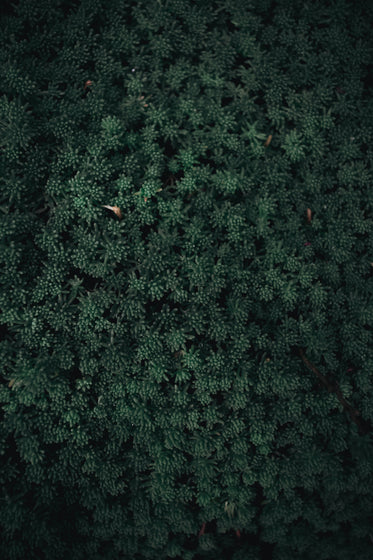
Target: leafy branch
x: 332, y: 387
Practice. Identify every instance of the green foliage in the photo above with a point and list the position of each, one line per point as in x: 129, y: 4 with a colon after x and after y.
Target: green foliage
x: 154, y: 399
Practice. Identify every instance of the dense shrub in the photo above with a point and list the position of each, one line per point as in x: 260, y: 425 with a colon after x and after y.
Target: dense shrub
x: 187, y: 373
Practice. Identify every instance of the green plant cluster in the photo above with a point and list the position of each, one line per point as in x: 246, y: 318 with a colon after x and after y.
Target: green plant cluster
x: 190, y: 375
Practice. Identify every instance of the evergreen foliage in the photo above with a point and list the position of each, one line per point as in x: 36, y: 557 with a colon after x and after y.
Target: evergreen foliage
x: 186, y: 300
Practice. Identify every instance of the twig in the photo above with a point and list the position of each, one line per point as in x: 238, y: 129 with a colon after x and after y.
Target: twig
x: 202, y: 531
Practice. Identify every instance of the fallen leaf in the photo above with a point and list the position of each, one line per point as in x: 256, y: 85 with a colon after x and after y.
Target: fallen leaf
x: 115, y: 209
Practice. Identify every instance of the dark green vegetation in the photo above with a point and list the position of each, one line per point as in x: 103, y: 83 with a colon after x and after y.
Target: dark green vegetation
x: 191, y: 379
